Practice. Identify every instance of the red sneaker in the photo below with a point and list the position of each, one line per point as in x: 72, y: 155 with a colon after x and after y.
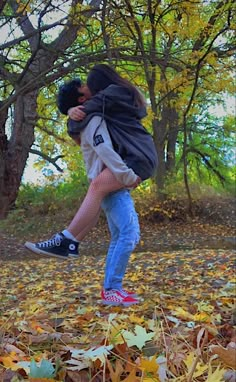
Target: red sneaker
x: 126, y: 292
x: 115, y: 297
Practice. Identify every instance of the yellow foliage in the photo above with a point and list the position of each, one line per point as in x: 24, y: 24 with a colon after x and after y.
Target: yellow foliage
x: 149, y: 365
x: 23, y: 8
x: 216, y: 376
x: 200, y: 369
x: 10, y: 361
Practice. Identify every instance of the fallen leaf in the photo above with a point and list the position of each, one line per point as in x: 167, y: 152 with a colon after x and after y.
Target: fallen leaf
x: 149, y: 365
x: 115, y: 372
x: 216, y: 376
x: 139, y: 338
x: 228, y: 356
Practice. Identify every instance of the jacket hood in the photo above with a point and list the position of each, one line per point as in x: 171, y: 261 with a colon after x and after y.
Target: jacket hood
x: 123, y: 99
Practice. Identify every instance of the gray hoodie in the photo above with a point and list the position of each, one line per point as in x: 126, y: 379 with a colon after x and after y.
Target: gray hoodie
x: 130, y: 139
x: 100, y: 154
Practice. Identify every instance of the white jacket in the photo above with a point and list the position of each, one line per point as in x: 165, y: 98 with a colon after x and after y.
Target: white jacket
x: 98, y: 153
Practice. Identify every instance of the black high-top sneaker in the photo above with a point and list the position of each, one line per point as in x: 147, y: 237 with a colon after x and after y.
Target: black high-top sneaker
x: 58, y: 246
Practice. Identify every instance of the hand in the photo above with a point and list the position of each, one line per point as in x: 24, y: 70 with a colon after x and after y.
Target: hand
x: 77, y: 140
x: 136, y: 183
x: 76, y: 113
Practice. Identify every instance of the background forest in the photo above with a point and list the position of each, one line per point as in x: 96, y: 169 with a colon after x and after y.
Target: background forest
x: 180, y: 55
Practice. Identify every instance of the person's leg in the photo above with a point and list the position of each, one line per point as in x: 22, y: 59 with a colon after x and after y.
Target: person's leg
x: 108, y: 265
x: 123, y: 215
x: 88, y: 228
x: 86, y: 216
x: 114, y: 234
x: 65, y: 244
x: 112, y: 293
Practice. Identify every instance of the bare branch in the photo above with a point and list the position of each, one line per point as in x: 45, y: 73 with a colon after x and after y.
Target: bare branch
x: 31, y: 34
x: 43, y: 78
x: 48, y: 159
x: 69, y: 33
x: 25, y: 24
x: 208, y: 164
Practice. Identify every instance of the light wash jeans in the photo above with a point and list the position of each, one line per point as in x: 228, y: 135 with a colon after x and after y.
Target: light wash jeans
x: 125, y: 234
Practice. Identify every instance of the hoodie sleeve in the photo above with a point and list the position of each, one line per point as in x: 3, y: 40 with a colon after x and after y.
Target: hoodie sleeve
x: 97, y: 137
x: 107, y: 99
x: 94, y: 104
x: 114, y: 102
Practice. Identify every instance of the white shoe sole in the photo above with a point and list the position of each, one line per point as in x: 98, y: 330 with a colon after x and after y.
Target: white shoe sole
x: 113, y: 303
x: 38, y: 251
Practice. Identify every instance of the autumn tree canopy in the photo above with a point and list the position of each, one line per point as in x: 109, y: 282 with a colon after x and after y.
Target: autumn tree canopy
x: 179, y: 54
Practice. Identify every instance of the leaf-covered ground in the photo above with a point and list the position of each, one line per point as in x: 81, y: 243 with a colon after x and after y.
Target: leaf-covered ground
x: 53, y: 326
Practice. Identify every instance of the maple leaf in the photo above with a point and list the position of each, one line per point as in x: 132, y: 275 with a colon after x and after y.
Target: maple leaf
x: 149, y: 365
x: 44, y: 370
x: 216, y: 376
x: 189, y: 362
x: 139, y: 338
x: 77, y: 365
x: 116, y: 372
x: 93, y: 353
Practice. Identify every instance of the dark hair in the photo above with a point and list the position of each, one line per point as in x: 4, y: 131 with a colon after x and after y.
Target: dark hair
x: 102, y: 75
x: 68, y: 95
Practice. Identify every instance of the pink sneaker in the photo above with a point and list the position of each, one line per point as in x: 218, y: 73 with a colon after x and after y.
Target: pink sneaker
x: 115, y: 297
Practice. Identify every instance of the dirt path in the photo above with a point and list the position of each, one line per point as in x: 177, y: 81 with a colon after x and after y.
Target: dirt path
x: 154, y: 237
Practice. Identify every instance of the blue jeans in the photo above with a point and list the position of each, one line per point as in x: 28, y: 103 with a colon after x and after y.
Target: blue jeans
x: 124, y: 228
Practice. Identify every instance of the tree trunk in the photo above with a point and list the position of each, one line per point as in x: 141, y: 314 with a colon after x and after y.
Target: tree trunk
x: 14, y: 153
x: 171, y: 141
x: 158, y: 134
x: 165, y: 136
x: 3, y: 155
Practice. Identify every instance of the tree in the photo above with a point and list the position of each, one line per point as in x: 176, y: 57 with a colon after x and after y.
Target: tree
x: 184, y: 51
x: 41, y: 61
x: 178, y: 53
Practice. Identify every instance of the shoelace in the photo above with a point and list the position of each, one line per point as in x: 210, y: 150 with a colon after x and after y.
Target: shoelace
x: 55, y: 240
x: 125, y: 293
x: 108, y: 292
x: 121, y: 291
